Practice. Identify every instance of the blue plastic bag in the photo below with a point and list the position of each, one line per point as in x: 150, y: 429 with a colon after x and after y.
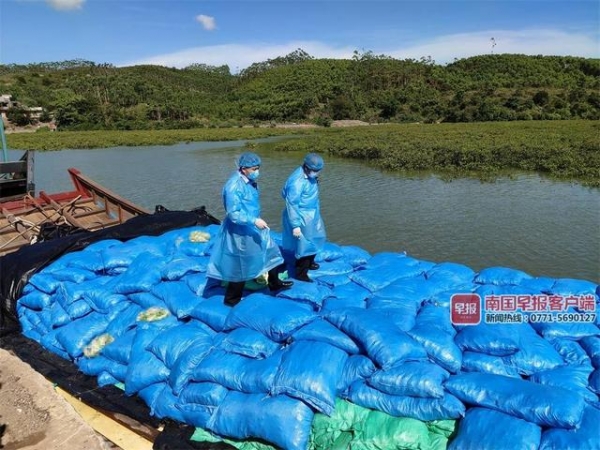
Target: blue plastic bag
x: 332, y: 281
x: 182, y: 370
x: 415, y: 289
x: 196, y: 282
x: 196, y: 415
x: 311, y: 293
x: 544, y: 405
x: 594, y: 381
x: 45, y: 282
x: 338, y: 267
x: 438, y: 317
x: 355, y: 256
x: 357, y: 367
x: 211, y: 394
x: 247, y: 342
x: 119, y: 256
x: 124, y: 321
x: 179, y: 266
x: 572, y: 351
x: 449, y: 274
x: 276, y: 318
x: 211, y: 311
x: 383, y: 342
x: 570, y: 286
x: 141, y: 275
x: 170, y: 344
x: 322, y: 331
x: 94, y: 366
x: 330, y: 252
x: 50, y: 343
x: 494, y: 339
x: 375, y: 277
x: 352, y: 291
x: 585, y: 437
x: 104, y: 302
x: 573, y: 378
x: 146, y: 300
x: 310, y: 371
x: 480, y: 362
x: 486, y: 429
x: 36, y: 300
x: 120, y: 349
x: 167, y: 405
x: 401, y: 313
x: 106, y: 379
x: 439, y: 346
x: 79, y: 333
x: 591, y: 345
x: 144, y: 367
x: 280, y: 420
x: 572, y: 330
x: 535, y: 354
x: 501, y: 276
x: 178, y: 297
x: 425, y: 409
x: 412, y: 378
x: 237, y: 372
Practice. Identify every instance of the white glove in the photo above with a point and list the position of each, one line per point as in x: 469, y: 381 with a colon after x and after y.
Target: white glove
x: 261, y: 224
x: 297, y: 232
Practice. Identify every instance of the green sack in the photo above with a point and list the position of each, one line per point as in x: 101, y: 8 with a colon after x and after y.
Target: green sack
x: 327, y: 430
x: 201, y: 435
x: 438, y: 442
x: 442, y: 427
x: 383, y: 432
x: 343, y: 441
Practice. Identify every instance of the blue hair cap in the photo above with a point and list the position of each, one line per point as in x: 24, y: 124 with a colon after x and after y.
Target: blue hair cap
x: 248, y: 159
x: 314, y: 161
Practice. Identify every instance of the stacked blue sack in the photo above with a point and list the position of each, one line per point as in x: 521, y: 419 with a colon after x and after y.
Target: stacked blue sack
x: 374, y: 330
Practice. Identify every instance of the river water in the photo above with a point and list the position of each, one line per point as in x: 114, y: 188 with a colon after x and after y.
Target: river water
x: 527, y: 222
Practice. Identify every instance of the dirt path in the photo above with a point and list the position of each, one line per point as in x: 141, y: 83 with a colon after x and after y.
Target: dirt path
x: 35, y: 417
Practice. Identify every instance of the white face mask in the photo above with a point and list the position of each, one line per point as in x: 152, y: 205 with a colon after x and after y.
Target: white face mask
x: 313, y: 174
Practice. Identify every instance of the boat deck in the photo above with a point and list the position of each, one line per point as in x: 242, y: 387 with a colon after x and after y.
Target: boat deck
x: 89, y: 207
x: 21, y: 224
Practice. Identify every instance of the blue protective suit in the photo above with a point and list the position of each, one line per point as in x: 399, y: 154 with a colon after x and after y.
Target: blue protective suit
x: 242, y: 251
x: 302, y: 209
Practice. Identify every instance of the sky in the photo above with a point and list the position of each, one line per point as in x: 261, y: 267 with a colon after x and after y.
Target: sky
x: 178, y: 33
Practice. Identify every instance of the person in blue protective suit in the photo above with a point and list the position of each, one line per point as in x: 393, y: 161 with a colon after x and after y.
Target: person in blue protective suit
x: 243, y: 248
x: 303, y: 228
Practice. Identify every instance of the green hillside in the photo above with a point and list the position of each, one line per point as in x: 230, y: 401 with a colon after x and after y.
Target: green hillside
x: 82, y: 95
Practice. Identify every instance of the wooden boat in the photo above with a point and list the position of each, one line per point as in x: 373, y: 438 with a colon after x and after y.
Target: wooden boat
x: 25, y: 217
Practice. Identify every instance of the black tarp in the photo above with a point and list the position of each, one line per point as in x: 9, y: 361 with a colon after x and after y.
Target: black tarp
x: 18, y: 267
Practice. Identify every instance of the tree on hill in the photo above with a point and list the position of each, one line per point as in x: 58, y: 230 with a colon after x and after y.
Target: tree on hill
x: 298, y: 87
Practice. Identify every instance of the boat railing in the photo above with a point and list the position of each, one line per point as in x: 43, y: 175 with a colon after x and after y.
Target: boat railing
x: 16, y: 177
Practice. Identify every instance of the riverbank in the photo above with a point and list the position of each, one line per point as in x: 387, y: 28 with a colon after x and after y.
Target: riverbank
x: 562, y: 149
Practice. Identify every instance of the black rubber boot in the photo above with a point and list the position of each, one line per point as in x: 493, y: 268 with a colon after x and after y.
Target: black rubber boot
x: 302, y: 266
x: 313, y: 265
x: 275, y: 284
x: 233, y: 293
